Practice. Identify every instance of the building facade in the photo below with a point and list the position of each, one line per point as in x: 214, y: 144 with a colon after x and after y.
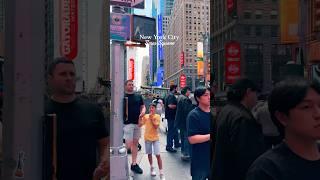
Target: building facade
x: 255, y: 25
x: 188, y: 24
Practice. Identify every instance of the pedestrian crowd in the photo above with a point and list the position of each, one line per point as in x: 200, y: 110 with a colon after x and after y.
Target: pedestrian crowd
x: 276, y: 138
x: 188, y: 127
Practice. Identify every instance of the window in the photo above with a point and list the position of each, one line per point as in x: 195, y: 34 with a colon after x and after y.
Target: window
x: 247, y: 14
x: 258, y: 30
x: 274, y: 31
x: 273, y: 15
x: 247, y: 30
x: 258, y: 14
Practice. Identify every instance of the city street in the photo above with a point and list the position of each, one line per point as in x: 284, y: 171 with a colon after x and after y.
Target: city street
x: 173, y: 166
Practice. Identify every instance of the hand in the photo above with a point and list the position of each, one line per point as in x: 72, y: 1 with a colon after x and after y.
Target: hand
x: 142, y: 114
x: 101, y: 171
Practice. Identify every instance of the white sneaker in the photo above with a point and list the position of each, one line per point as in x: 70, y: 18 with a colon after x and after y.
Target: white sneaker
x: 153, y: 172
x: 162, y: 177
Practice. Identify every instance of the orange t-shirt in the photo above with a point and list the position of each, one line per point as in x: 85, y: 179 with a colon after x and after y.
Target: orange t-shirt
x: 151, y: 132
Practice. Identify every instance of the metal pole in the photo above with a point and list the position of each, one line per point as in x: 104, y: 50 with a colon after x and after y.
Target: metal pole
x: 23, y: 89
x: 118, y: 154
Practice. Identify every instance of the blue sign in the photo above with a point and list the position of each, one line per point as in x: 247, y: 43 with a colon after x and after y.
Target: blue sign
x: 160, y: 36
x: 119, y: 27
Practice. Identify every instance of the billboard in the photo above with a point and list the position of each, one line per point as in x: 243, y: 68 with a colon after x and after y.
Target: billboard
x: 183, y: 81
x: 68, y: 20
x: 139, y: 4
x: 232, y: 63
x: 289, y: 19
x: 200, y: 51
x: 200, y: 68
x: 143, y: 29
x: 119, y: 27
x: 160, y: 34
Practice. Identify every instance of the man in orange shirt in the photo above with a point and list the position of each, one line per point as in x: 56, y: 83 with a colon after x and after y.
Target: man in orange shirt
x: 151, y: 137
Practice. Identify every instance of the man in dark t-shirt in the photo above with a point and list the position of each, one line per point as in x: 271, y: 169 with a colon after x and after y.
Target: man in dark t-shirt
x: 198, y: 129
x: 81, y: 128
x: 134, y: 109
x: 170, y: 114
x: 294, y: 108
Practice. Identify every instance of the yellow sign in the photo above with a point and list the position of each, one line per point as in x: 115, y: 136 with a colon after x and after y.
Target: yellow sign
x: 200, y: 68
x: 200, y: 51
x: 289, y: 20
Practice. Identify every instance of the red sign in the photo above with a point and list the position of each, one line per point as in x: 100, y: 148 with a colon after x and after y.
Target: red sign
x: 233, y: 63
x: 183, y: 81
x: 69, y: 28
x: 131, y: 69
x: 182, y: 59
x: 231, y: 6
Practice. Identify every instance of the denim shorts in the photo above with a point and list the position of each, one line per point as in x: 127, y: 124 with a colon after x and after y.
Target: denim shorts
x: 155, y: 145
x: 131, y: 132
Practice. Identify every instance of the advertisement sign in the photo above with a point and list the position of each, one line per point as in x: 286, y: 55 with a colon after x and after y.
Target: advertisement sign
x: 119, y: 27
x: 181, y: 59
x: 143, y: 29
x: 139, y: 4
x: 200, y: 69
x: 160, y: 34
x: 131, y: 69
x: 183, y: 81
x: 200, y: 51
x: 289, y: 19
x: 233, y: 63
x: 68, y: 28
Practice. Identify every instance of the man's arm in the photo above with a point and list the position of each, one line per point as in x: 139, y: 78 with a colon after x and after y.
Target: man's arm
x: 103, y: 168
x: 196, y: 139
x: 142, y: 110
x: 172, y: 106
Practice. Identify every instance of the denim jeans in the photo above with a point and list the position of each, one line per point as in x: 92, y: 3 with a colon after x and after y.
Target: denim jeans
x: 185, y: 145
x: 172, y: 134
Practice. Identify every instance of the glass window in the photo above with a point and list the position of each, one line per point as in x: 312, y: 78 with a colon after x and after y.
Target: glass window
x: 274, y: 31
x: 247, y: 30
x: 258, y: 30
x: 247, y: 14
x: 273, y: 15
x: 258, y: 14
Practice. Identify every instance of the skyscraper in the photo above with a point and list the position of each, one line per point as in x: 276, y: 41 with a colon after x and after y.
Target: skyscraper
x: 189, y: 21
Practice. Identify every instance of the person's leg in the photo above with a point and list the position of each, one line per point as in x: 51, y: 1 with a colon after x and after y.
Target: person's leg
x: 159, y: 162
x: 134, y: 147
x: 176, y: 138
x: 128, y: 136
x: 170, y: 133
x: 182, y: 132
x: 187, y: 145
x: 148, y: 147
x: 134, y: 150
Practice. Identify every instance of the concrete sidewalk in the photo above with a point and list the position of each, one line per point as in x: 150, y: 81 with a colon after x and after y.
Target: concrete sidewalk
x: 173, y: 167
